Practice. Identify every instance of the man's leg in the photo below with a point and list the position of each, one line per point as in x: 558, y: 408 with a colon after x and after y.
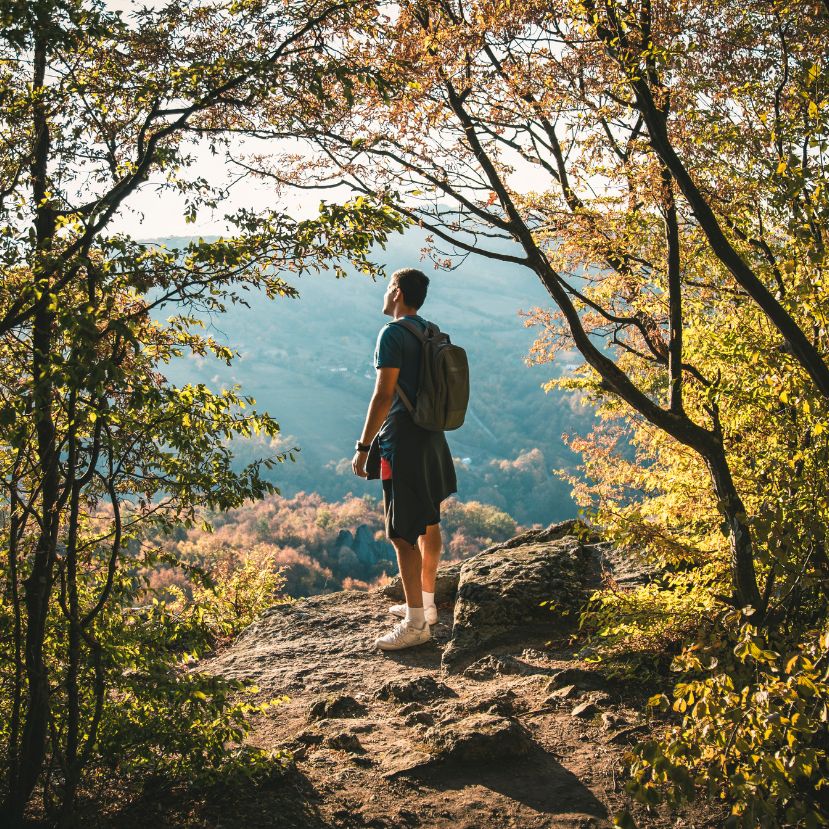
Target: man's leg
x: 428, y: 548
x: 413, y: 630
x: 410, y: 564
x: 430, y: 544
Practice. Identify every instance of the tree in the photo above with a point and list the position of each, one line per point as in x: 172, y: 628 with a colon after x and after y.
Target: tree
x: 95, y: 444
x: 660, y: 181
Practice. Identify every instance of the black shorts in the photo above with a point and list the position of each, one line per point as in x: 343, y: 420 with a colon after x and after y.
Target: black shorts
x: 388, y: 512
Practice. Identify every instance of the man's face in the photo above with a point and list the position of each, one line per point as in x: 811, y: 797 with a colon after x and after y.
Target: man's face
x: 390, y: 297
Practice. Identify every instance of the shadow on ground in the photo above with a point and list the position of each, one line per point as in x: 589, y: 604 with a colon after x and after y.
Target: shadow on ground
x: 287, y: 800
x: 538, y: 782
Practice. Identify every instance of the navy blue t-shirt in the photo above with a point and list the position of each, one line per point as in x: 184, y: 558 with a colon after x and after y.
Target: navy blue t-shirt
x: 398, y: 348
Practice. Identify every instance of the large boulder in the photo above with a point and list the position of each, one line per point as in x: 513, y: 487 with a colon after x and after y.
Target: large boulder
x: 500, y: 591
x: 480, y: 738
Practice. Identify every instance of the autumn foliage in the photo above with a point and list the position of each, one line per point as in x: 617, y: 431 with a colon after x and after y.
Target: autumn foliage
x: 317, y: 546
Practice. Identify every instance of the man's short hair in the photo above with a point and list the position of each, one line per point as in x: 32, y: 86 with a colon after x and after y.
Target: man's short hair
x: 413, y: 283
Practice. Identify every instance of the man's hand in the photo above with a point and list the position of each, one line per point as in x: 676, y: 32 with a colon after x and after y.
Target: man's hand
x: 358, y: 464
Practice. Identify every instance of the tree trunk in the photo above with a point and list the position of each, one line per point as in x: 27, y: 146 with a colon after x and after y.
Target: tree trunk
x: 38, y: 585
x: 743, y: 574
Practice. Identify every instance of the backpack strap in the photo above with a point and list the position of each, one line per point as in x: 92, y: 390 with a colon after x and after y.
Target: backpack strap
x: 405, y: 398
x: 422, y: 335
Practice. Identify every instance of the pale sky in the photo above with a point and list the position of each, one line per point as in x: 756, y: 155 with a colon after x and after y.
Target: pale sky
x: 149, y: 214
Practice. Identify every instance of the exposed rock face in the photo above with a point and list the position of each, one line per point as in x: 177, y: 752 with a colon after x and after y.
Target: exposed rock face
x: 361, y: 548
x: 500, y: 591
x: 422, y: 689
x: 337, y: 706
x: 581, y: 678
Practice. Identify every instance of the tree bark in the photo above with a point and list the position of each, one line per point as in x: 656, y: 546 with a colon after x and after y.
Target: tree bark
x: 743, y: 575
x: 674, y: 297
x: 38, y: 585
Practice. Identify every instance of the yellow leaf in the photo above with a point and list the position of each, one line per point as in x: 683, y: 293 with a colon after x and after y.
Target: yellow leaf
x: 781, y: 167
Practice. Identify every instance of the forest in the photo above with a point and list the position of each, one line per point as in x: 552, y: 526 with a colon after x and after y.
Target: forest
x: 659, y: 170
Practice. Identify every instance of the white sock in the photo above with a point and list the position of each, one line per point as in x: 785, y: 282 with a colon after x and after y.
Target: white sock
x: 428, y: 599
x: 416, y: 616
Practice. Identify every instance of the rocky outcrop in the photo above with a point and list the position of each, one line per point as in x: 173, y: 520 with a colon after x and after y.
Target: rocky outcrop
x: 534, y: 584
x: 361, y: 552
x: 495, y: 722
x: 479, y: 738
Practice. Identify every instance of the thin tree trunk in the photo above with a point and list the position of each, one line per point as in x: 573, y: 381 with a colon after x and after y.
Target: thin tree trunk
x: 71, y: 766
x: 674, y: 296
x: 707, y: 443
x: 38, y: 585
x: 17, y: 633
x: 743, y: 574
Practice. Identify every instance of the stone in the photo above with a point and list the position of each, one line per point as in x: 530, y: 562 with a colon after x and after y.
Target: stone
x: 491, y: 666
x: 409, y: 708
x: 583, y: 678
x: 339, y: 706
x: 564, y: 693
x: 533, y: 655
x: 419, y: 718
x: 501, y: 590
x: 362, y: 760
x: 446, y: 584
x: 345, y: 742
x: 626, y: 735
x: 584, y: 711
x: 309, y: 737
x: 502, y: 703
x: 420, y: 689
x: 479, y: 738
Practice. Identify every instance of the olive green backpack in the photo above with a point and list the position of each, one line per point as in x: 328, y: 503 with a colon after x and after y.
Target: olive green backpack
x: 443, y: 385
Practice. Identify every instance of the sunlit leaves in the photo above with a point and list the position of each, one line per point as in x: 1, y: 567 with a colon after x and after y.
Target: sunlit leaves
x: 753, y: 733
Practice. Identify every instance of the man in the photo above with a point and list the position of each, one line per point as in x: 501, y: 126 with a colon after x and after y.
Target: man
x: 414, y: 465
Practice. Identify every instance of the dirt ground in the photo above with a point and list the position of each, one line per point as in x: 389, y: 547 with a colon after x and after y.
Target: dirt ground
x: 384, y: 740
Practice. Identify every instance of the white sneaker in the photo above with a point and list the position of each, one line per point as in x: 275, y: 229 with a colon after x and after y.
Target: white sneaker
x: 431, y: 612
x: 403, y: 635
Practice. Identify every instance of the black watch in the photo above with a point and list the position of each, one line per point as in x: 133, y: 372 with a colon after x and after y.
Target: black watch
x: 363, y: 447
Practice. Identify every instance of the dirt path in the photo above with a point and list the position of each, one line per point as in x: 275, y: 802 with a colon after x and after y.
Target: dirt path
x: 383, y: 740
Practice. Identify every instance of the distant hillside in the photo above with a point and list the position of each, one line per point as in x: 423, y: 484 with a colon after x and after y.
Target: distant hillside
x: 308, y: 362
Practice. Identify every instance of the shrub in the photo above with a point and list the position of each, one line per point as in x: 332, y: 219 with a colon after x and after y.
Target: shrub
x: 753, y: 730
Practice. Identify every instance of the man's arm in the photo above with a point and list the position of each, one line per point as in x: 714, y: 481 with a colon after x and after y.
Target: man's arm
x: 378, y: 409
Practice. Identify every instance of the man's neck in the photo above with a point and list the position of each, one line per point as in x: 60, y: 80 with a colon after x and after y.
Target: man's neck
x: 405, y: 312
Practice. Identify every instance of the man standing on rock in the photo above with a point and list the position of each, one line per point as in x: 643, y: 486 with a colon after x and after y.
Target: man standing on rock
x: 414, y: 464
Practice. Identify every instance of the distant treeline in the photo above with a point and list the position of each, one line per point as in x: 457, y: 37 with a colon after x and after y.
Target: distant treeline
x: 320, y: 546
